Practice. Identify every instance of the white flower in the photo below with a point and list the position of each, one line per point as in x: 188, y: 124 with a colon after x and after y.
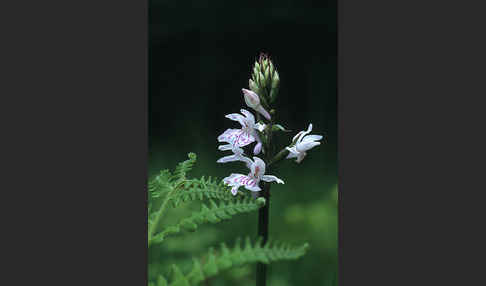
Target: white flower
x: 260, y: 127
x: 251, y: 181
x: 302, y: 143
x: 244, y: 136
x: 237, y: 155
x: 253, y: 101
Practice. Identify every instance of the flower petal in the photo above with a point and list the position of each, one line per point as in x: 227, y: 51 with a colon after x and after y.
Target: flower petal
x: 238, y: 180
x: 258, y: 148
x: 225, y: 147
x: 247, y: 161
x: 297, y: 136
x: 232, y: 179
x: 249, y: 117
x: 237, y: 137
x: 309, y: 128
x: 292, y: 150
x: 244, y: 139
x: 301, y: 135
x: 291, y: 155
x: 300, y: 157
x: 258, y: 167
x: 305, y: 146
x: 236, y: 117
x: 234, y: 190
x: 227, y: 135
x: 311, y: 138
x: 253, y: 188
x: 227, y: 159
x: 271, y: 178
x: 260, y: 127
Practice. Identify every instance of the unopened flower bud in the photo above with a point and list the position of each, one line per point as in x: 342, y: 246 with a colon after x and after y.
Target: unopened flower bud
x: 251, y: 98
x: 253, y: 101
x: 275, y: 86
x: 267, y: 75
x: 253, y: 85
x: 275, y: 80
x: 261, y: 79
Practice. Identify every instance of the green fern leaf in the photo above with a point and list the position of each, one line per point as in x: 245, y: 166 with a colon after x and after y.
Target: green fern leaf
x: 178, y: 278
x: 196, y: 273
x: 184, y: 167
x: 212, y: 214
x: 228, y: 258
x: 160, y: 184
x: 200, y: 189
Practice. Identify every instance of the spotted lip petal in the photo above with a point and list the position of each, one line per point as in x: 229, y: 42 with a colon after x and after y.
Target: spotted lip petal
x: 238, y: 180
x: 238, y: 137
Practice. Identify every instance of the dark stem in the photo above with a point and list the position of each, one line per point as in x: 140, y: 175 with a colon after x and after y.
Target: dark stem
x: 261, y: 275
x: 263, y: 232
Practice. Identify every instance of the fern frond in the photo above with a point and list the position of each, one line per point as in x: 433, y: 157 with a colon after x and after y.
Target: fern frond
x: 160, y: 184
x: 184, y: 167
x: 212, y: 214
x: 227, y: 258
x: 200, y: 189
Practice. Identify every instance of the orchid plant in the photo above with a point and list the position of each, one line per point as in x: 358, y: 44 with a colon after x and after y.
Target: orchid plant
x: 223, y: 199
x: 262, y: 93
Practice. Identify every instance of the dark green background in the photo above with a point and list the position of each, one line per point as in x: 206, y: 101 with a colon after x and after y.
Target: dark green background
x: 200, y: 56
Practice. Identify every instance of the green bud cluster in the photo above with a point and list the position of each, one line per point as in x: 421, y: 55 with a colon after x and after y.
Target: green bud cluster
x: 265, y: 80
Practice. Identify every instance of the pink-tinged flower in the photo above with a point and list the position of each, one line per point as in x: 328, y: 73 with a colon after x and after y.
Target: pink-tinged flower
x: 238, y: 155
x: 244, y: 136
x: 253, y: 101
x: 251, y: 181
x: 302, y: 143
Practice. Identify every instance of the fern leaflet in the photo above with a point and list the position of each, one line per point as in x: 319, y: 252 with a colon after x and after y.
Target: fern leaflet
x: 212, y: 214
x: 227, y: 258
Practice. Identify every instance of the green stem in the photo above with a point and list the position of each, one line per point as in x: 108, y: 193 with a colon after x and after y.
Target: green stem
x: 158, y: 216
x: 279, y: 157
